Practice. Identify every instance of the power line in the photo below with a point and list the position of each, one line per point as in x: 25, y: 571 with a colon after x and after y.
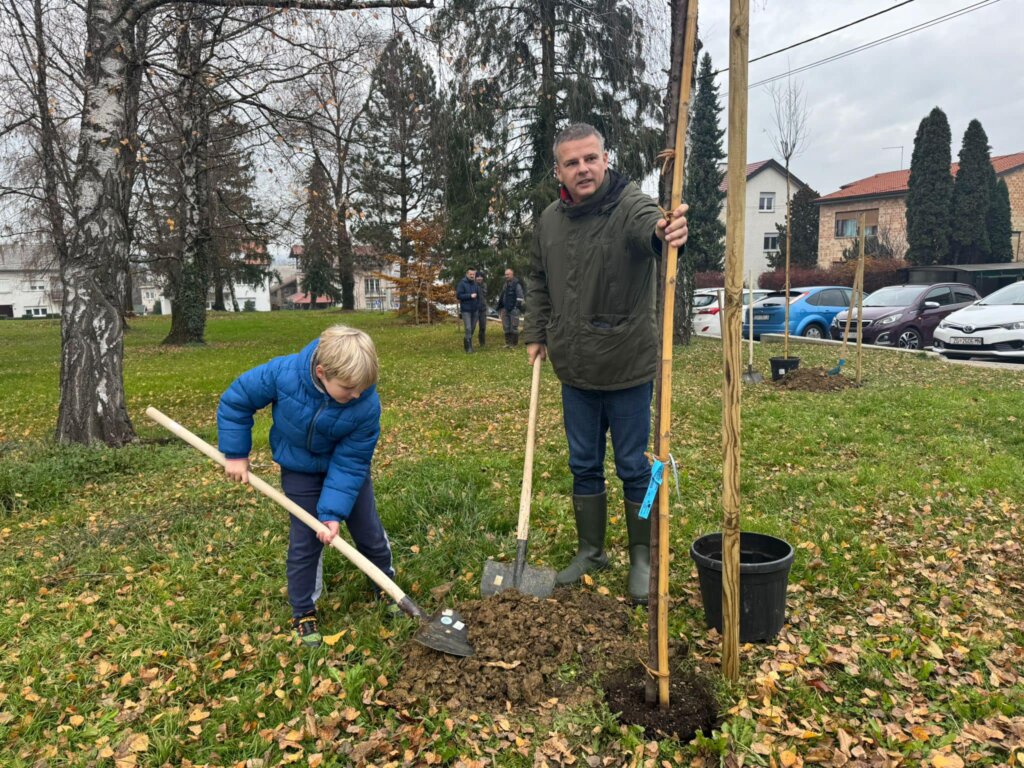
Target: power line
x: 823, y: 34
x: 896, y: 35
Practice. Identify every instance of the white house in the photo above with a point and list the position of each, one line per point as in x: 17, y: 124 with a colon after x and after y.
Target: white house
x: 765, y: 209
x: 29, y: 281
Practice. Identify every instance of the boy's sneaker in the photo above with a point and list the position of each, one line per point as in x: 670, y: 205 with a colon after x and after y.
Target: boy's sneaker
x: 306, y: 630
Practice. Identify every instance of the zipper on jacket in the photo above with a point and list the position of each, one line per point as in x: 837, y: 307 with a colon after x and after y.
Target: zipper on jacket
x: 312, y: 424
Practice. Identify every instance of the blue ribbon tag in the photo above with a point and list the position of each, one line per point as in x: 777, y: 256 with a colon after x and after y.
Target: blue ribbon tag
x: 657, y: 473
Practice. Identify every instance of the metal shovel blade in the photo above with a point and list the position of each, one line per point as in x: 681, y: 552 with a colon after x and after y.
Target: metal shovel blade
x: 446, y: 632
x: 750, y: 376
x: 539, y: 582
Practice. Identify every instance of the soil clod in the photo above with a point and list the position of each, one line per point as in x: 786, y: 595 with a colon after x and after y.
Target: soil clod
x: 528, y: 650
x: 814, y: 380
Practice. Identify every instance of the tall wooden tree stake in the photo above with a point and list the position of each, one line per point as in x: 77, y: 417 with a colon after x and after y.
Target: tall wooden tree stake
x: 658, y: 620
x: 739, y: 27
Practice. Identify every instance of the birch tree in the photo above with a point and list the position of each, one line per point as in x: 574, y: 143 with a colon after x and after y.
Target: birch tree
x: 92, y: 402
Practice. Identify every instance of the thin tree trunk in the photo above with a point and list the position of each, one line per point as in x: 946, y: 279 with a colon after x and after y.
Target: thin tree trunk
x: 188, y: 323
x: 92, y: 403
x: 543, y: 157
x: 346, y: 262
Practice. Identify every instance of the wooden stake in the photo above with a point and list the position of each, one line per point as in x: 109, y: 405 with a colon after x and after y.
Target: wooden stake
x: 739, y: 45
x: 659, y: 620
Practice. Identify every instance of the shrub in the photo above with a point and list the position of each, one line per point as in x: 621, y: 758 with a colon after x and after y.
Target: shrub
x: 878, y: 273
x: 708, y: 279
x: 249, y: 306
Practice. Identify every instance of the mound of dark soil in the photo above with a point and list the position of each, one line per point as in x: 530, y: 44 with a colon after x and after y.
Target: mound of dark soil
x: 814, y: 380
x: 692, y: 705
x: 527, y: 650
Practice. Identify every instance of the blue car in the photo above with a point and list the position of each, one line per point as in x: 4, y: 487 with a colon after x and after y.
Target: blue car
x: 810, y: 311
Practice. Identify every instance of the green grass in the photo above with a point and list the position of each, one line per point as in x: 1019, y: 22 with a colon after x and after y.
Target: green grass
x: 143, y: 599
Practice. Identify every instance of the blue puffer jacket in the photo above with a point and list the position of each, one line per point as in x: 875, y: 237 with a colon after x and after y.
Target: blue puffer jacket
x: 311, y: 433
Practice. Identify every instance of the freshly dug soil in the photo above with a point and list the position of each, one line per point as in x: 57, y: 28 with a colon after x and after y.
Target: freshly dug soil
x: 521, y: 643
x: 691, y: 707
x: 815, y: 380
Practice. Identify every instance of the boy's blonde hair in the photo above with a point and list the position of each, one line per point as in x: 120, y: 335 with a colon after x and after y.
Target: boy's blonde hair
x: 349, y: 356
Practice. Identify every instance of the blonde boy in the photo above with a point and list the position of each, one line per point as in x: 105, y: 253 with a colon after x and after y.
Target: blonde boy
x: 326, y: 423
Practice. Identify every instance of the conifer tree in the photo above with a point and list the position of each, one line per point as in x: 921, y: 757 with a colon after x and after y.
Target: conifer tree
x: 397, y: 171
x: 972, y: 197
x: 804, y: 219
x: 317, y: 261
x: 1000, y: 224
x: 930, y: 192
x: 705, y: 247
x: 543, y: 64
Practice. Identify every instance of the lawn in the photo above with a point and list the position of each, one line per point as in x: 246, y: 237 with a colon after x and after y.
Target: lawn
x: 144, y: 618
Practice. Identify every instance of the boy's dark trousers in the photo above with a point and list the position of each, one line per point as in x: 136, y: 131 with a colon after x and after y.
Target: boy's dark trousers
x: 305, y: 549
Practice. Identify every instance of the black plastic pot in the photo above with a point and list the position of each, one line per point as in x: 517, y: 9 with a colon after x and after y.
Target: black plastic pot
x: 764, y: 573
x: 783, y: 365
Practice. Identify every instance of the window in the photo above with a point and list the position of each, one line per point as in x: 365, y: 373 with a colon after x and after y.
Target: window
x: 848, y: 223
x: 941, y: 295
x: 771, y: 242
x: 371, y: 286
x: 962, y: 296
x: 36, y: 287
x: 831, y: 297
x: 766, y: 202
x: 149, y: 295
x: 4, y: 287
x: 35, y: 311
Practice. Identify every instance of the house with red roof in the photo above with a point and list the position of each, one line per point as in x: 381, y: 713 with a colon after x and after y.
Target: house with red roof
x: 882, y: 200
x: 765, y: 206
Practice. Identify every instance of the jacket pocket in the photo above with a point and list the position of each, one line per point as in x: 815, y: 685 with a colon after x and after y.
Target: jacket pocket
x: 615, y: 349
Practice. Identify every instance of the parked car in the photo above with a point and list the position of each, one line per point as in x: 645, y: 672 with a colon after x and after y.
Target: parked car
x: 905, y: 315
x: 992, y: 327
x: 810, y: 311
x: 707, y: 319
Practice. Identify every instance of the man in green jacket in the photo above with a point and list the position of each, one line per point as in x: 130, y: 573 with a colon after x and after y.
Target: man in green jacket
x: 591, y: 309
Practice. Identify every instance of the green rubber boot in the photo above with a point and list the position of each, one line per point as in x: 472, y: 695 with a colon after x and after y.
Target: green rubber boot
x: 591, y: 523
x: 639, y: 553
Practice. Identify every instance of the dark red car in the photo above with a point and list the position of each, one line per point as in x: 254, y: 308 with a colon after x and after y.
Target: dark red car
x: 905, y: 315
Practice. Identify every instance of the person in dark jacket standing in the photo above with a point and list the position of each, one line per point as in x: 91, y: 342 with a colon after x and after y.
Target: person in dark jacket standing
x: 510, y: 304
x: 591, y: 310
x: 482, y: 307
x: 466, y: 291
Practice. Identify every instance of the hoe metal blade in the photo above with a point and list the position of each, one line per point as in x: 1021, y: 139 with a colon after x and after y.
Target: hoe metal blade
x: 446, y: 632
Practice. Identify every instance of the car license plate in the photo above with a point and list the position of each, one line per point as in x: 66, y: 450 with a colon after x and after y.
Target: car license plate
x: 974, y: 341
x: 761, y: 317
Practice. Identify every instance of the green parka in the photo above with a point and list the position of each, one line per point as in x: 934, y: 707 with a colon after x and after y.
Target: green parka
x: 592, y: 283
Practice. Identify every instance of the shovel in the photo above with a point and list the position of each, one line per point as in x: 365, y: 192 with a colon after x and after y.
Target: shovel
x: 750, y: 376
x: 444, y: 631
x: 539, y: 582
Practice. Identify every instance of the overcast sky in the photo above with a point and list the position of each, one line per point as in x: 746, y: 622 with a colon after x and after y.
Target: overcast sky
x: 971, y: 66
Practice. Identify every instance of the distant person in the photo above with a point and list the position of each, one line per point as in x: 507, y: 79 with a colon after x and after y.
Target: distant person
x: 510, y: 306
x: 481, y: 298
x: 326, y: 424
x: 591, y: 309
x: 467, y: 293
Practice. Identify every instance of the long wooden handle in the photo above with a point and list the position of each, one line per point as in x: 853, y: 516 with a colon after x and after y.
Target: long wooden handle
x: 351, y: 553
x: 523, y: 531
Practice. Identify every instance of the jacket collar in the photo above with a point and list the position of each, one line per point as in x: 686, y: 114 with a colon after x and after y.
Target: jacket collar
x: 606, y: 197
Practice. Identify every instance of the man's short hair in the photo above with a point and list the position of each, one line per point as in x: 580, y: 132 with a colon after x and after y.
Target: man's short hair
x: 349, y: 356
x: 575, y: 132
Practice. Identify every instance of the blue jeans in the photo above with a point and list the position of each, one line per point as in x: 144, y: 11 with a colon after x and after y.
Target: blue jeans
x: 588, y: 416
x: 469, y: 322
x: 305, y: 552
